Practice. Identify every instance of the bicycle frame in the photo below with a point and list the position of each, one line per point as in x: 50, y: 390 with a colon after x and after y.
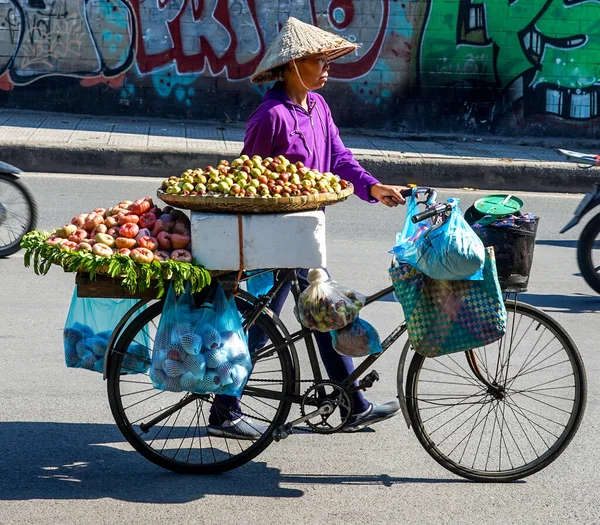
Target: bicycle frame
x: 231, y: 281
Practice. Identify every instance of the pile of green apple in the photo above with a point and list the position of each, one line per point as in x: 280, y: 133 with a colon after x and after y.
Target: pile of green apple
x: 254, y: 177
x: 137, y: 229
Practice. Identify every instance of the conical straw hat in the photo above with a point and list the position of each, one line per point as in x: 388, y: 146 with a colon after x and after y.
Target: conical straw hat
x: 299, y: 40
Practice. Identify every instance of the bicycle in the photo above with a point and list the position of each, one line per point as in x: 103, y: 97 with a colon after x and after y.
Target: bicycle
x: 18, y: 210
x: 497, y: 413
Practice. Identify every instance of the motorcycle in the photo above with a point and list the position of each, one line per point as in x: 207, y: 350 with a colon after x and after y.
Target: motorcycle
x: 588, y: 246
x: 18, y: 210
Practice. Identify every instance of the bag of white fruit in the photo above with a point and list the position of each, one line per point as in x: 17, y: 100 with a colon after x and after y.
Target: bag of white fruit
x: 358, y: 339
x: 202, y: 350
x: 89, y: 325
x: 326, y: 305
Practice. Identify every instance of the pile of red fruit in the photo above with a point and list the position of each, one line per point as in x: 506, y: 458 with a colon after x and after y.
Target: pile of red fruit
x: 137, y: 229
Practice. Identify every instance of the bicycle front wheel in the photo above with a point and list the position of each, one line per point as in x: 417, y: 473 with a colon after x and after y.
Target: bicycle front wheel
x: 171, y: 429
x: 18, y: 214
x: 519, y: 422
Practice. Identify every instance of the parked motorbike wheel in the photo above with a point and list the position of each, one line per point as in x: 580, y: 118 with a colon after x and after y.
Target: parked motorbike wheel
x: 589, y: 241
x: 18, y: 214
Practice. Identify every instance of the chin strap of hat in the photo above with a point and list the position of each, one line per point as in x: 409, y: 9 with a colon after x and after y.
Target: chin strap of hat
x: 299, y: 75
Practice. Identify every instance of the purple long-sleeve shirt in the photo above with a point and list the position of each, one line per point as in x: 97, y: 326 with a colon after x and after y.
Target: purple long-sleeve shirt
x: 280, y: 127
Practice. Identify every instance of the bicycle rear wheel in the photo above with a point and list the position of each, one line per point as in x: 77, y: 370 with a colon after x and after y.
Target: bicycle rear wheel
x: 170, y: 429
x: 521, y: 424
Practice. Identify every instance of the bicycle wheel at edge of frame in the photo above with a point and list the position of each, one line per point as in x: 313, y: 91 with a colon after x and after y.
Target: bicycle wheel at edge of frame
x: 15, y: 246
x: 585, y: 249
x: 540, y: 462
x: 114, y: 379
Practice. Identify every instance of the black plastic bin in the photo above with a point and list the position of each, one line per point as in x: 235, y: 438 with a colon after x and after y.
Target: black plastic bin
x: 513, y: 241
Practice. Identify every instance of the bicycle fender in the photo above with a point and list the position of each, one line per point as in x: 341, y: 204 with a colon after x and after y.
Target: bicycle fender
x: 400, y: 383
x: 587, y: 204
x: 9, y: 168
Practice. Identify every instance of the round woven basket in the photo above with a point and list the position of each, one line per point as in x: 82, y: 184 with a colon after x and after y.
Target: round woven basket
x: 235, y: 205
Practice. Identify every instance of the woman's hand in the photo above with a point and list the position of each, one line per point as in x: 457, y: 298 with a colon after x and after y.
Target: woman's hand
x: 388, y: 195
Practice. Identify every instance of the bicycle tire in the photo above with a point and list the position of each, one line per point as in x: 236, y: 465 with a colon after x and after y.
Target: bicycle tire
x: 443, y: 442
x: 163, y: 449
x: 25, y: 223
x: 585, y: 248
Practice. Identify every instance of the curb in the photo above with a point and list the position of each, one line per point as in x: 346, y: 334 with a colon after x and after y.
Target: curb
x: 486, y: 174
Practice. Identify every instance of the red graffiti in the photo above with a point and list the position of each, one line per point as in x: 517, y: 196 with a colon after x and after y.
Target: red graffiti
x: 223, y: 60
x: 113, y: 82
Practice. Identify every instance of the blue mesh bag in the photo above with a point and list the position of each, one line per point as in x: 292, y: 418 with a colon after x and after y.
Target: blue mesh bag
x: 448, y: 251
x: 89, y: 325
x: 202, y: 350
x: 358, y: 339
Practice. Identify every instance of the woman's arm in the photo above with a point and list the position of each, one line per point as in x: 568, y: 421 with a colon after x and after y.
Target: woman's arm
x: 346, y: 166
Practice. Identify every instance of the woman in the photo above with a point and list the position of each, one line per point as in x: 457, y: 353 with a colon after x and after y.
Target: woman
x: 296, y: 122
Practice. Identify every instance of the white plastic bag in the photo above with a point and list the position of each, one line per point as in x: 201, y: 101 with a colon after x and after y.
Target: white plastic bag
x: 326, y: 305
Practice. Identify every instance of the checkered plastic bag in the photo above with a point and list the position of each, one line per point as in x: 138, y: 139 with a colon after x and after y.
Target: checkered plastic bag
x: 443, y: 317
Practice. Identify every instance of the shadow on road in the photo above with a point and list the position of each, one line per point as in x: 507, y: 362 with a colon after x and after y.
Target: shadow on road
x: 46, y: 460
x: 90, y: 461
x: 562, y: 243
x: 577, y: 303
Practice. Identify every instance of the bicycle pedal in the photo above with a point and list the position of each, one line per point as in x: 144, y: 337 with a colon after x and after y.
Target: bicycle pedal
x: 369, y: 380
x: 283, y: 432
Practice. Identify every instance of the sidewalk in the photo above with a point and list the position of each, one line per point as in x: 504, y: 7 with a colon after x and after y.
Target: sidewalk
x: 64, y: 143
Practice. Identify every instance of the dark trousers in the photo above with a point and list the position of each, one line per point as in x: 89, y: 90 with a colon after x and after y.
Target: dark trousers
x: 338, y: 366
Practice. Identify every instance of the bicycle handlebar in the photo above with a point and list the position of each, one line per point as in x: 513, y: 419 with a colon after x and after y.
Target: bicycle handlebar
x: 430, y: 212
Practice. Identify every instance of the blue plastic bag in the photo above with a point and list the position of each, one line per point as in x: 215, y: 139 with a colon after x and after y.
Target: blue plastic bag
x: 450, y: 251
x: 258, y: 285
x: 358, y: 339
x: 89, y: 325
x: 202, y: 350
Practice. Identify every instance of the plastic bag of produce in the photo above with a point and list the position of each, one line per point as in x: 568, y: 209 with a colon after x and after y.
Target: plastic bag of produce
x: 202, y: 350
x: 358, y: 339
x: 449, y: 251
x: 326, y: 305
x: 89, y: 325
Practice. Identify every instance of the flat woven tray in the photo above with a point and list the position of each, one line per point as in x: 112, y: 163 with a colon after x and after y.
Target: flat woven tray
x: 254, y: 205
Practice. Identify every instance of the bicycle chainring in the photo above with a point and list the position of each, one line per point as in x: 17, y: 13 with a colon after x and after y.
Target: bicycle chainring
x: 327, y: 392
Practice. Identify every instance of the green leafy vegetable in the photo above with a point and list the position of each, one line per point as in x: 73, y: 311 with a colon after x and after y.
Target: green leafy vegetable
x: 134, y: 276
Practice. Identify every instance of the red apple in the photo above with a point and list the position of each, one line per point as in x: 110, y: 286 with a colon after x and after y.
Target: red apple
x: 125, y: 242
x: 128, y: 218
x: 129, y: 230
x: 182, y: 226
x: 181, y: 256
x: 148, y: 242
x: 101, y: 249
x: 179, y: 240
x: 164, y: 240
x: 78, y: 236
x: 147, y: 220
x: 142, y: 255
x: 84, y: 247
x: 161, y: 255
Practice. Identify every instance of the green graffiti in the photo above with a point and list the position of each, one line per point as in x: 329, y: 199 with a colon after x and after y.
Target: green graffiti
x: 498, y: 41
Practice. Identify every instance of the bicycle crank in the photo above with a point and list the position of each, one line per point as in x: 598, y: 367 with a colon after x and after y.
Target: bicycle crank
x: 286, y: 430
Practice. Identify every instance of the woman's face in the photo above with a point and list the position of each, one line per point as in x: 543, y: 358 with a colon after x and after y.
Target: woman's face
x: 313, y: 71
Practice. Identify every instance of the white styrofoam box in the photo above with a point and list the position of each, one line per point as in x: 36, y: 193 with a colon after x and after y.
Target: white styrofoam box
x: 283, y: 240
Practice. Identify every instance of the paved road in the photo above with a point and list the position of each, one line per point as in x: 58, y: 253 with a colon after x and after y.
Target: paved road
x: 64, y: 461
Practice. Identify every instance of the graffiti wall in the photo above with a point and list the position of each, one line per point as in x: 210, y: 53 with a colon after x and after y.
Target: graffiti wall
x: 494, y: 66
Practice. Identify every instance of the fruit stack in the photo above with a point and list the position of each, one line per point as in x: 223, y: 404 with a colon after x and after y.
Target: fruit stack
x: 269, y: 178
x: 86, y: 349
x: 135, y: 229
x: 198, y: 357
